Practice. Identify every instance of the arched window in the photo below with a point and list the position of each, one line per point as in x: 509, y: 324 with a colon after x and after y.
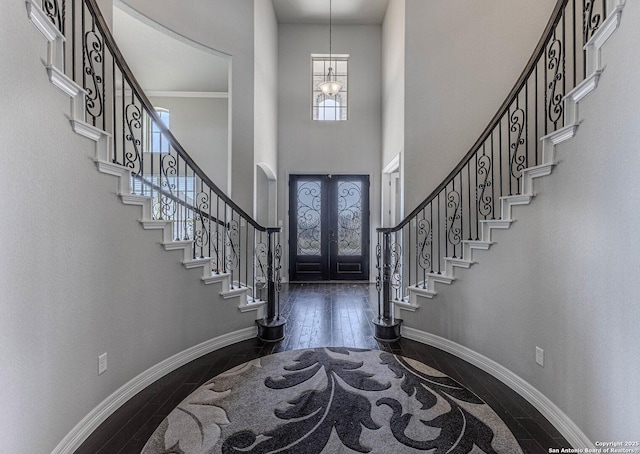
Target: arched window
x: 328, y: 110
x: 158, y: 143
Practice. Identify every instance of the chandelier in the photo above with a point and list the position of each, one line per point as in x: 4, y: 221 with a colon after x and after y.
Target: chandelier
x: 330, y: 86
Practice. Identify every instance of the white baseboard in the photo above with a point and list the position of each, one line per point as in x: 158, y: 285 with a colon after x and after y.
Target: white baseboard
x: 107, y: 407
x: 549, y: 410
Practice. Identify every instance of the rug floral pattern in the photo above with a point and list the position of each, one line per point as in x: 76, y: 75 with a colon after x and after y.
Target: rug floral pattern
x: 333, y: 400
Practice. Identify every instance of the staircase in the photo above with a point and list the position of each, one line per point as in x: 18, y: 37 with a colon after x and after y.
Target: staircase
x: 175, y: 197
x: 499, y: 171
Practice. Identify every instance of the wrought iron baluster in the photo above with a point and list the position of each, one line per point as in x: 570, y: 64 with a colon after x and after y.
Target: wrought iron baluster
x: 93, y: 58
x: 379, y: 271
x: 218, y: 233
x: 439, y: 230
x: 133, y: 135
x: 246, y: 261
x: 240, y: 219
x: 74, y: 74
x: 52, y: 10
x: 114, y: 103
x: 431, y: 245
x: 564, y: 67
x: 493, y: 186
x: 526, y: 125
x: 500, y: 189
x: 470, y: 219
x: 516, y: 162
x: 555, y: 54
x: 537, y: 136
x: 575, y: 47
x: 592, y: 20
x: 424, y: 248
x: 253, y: 277
x: 454, y: 206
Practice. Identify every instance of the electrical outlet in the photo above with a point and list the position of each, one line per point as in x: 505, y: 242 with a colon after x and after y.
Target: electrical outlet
x: 102, y: 363
x: 540, y: 356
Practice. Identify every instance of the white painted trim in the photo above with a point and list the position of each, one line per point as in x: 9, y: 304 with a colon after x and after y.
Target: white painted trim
x: 393, y: 165
x: 187, y: 94
x: 237, y: 291
x: 64, y: 82
x: 268, y: 171
x: 85, y: 129
x: 543, y: 404
x: 100, y: 413
x: 42, y: 22
x: 272, y: 193
x: 177, y: 245
x: 196, y: 263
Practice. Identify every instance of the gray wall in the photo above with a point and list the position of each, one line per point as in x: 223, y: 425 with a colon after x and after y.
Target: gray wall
x: 201, y: 126
x: 393, y: 64
x: 231, y: 33
x: 347, y: 147
x: 462, y: 58
x: 78, y: 275
x: 565, y: 276
x: 265, y: 102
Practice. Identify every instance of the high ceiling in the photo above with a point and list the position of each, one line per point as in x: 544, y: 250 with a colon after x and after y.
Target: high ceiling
x: 357, y: 12
x: 163, y: 61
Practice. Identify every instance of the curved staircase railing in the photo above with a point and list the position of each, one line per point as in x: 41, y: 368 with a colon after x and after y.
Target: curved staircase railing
x: 109, y: 105
x: 496, y: 173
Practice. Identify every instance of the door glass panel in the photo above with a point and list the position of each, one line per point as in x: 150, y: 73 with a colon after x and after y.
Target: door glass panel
x: 349, y: 218
x: 309, y: 216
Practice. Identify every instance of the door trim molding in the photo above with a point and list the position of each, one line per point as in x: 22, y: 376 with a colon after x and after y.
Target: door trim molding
x: 325, y: 269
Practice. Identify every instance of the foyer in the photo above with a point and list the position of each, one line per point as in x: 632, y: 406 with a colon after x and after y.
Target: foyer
x: 122, y: 262
x: 319, y: 315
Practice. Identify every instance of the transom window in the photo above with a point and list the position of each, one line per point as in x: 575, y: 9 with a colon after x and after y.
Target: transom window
x: 324, y: 107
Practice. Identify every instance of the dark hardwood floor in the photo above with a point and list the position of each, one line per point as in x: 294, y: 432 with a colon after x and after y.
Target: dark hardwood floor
x: 319, y: 315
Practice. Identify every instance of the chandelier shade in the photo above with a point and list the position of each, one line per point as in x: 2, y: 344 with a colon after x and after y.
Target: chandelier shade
x: 330, y: 86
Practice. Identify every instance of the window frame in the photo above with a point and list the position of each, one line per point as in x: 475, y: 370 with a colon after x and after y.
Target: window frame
x: 317, y: 97
x: 149, y: 133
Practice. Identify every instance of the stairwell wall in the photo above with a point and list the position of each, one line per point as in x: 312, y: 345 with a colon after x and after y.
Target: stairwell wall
x: 393, y: 81
x: 462, y: 58
x: 78, y: 275
x: 201, y: 126
x: 232, y: 33
x: 564, y: 277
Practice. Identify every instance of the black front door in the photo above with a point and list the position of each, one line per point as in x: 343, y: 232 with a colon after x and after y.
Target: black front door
x: 328, y: 227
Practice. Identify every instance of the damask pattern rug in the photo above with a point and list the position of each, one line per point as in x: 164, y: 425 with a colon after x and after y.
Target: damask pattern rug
x: 332, y: 400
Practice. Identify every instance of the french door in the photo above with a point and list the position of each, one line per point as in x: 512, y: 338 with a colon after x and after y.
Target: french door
x: 328, y: 227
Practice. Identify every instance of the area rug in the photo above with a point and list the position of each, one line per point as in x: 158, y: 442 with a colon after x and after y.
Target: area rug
x: 332, y: 400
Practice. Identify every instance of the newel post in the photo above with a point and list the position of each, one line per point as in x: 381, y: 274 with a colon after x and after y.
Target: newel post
x: 271, y: 327
x: 387, y: 328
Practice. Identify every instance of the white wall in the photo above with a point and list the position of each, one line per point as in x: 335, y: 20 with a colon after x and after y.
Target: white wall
x: 462, y: 58
x: 347, y: 147
x: 564, y: 277
x: 78, y: 275
x: 393, y: 63
x: 201, y: 126
x: 228, y: 27
x: 265, y: 102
